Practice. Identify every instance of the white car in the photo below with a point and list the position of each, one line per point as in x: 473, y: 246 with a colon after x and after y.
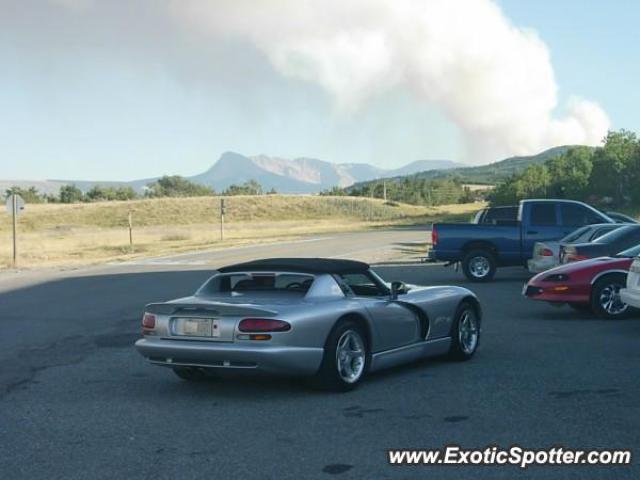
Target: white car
x: 631, y: 294
x: 546, y: 254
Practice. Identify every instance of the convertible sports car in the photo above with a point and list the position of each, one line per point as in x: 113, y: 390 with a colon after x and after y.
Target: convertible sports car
x: 331, y: 319
x: 586, y: 285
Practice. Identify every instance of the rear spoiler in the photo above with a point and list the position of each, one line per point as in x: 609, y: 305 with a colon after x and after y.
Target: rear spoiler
x: 209, y: 309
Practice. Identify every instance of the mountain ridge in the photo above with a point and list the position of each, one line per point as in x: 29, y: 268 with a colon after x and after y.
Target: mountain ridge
x: 306, y: 175
x: 298, y: 175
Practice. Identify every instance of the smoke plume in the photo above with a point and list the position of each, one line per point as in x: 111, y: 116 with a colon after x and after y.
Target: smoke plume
x: 492, y: 79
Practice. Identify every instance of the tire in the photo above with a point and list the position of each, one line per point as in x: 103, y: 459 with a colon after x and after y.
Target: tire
x: 605, y: 297
x: 580, y: 307
x: 190, y: 374
x: 479, y: 265
x: 465, y: 333
x: 341, y: 377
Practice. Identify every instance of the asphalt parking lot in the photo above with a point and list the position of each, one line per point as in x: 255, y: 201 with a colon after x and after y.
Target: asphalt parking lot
x: 77, y: 401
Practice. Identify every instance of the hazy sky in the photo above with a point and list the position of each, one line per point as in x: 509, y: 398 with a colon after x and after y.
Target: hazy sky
x: 117, y: 90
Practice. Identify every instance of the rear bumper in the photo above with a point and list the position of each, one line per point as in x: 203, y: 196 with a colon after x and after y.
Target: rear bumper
x: 630, y: 297
x: 539, y: 266
x: 261, y: 358
x: 431, y: 256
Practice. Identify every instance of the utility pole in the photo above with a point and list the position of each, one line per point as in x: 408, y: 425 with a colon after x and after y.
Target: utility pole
x: 384, y: 190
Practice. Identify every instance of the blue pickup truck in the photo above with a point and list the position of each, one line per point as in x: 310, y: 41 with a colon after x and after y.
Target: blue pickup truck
x: 481, y: 248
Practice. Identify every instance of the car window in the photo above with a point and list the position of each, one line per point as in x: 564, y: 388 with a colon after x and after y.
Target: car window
x: 362, y: 285
x: 501, y: 213
x: 238, y: 283
x: 575, y: 215
x: 543, y: 214
x: 577, y: 235
x: 598, y: 232
x: 617, y: 234
x: 497, y: 215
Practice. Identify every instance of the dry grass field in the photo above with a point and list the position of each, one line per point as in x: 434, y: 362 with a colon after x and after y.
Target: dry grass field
x: 76, y: 234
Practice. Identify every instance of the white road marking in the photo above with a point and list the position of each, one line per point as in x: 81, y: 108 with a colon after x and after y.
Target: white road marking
x: 174, y: 259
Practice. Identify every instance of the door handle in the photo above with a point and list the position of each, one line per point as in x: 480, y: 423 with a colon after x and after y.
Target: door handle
x: 532, y: 232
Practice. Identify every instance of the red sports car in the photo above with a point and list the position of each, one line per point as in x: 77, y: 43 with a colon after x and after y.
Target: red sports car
x: 586, y: 285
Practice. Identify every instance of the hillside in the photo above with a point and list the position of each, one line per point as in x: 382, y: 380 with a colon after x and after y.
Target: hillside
x: 490, y: 174
x: 70, y: 234
x: 496, y: 172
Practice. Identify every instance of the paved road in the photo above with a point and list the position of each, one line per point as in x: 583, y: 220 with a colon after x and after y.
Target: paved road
x: 77, y: 401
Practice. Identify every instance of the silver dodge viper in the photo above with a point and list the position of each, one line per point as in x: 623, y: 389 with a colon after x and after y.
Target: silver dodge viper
x: 334, y: 320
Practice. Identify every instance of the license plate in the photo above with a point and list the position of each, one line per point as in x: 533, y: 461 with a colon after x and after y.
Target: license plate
x: 197, y: 327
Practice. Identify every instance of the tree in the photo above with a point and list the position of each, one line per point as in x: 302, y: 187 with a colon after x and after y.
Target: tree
x: 609, y: 177
x: 177, y: 186
x: 250, y: 187
x: 99, y: 193
x: 535, y: 181
x: 29, y: 195
x: 570, y: 173
x: 70, y: 194
x: 125, y: 193
x: 413, y: 189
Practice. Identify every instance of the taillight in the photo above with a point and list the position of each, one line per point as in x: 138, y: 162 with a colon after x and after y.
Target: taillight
x: 263, y: 325
x: 149, y: 321
x: 434, y: 236
x: 574, y: 258
x: 546, y: 252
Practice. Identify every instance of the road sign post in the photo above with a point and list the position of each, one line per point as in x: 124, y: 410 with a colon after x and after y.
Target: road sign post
x: 130, y: 219
x: 222, y: 208
x: 15, y: 206
x: 14, y: 202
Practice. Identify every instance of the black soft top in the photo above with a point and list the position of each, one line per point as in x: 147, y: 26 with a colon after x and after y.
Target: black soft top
x: 304, y: 265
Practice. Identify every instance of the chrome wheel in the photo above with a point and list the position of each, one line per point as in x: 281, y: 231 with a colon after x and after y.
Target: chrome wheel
x: 610, y: 300
x: 468, y: 332
x: 479, y: 267
x: 350, y: 356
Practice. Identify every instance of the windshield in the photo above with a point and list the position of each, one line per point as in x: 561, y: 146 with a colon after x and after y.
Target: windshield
x: 240, y: 283
x: 616, y: 234
x: 575, y: 235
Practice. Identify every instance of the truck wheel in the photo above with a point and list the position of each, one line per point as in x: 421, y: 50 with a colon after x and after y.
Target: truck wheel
x: 479, y: 265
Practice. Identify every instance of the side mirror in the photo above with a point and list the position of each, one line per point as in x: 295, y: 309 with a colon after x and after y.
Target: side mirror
x: 398, y: 288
